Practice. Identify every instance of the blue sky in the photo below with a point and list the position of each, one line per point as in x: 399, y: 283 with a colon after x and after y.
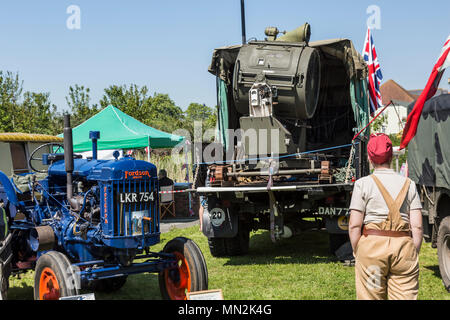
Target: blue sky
x: 167, y: 45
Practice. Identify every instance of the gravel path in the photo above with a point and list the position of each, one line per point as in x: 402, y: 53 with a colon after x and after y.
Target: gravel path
x: 166, y: 225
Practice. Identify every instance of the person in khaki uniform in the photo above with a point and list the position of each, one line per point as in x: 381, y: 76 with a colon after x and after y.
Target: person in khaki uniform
x: 385, y: 229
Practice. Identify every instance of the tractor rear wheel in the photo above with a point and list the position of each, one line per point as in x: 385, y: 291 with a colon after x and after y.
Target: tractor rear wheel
x: 443, y: 246
x: 191, y: 274
x: 54, y: 277
x: 4, y: 286
x: 5, y: 266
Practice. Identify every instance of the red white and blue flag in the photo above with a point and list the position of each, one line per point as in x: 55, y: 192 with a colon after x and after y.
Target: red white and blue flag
x: 375, y: 76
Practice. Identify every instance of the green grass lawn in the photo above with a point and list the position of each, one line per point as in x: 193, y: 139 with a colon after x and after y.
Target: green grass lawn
x: 297, y: 268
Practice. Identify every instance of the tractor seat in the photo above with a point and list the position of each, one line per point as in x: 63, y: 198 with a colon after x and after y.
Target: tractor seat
x: 22, y: 182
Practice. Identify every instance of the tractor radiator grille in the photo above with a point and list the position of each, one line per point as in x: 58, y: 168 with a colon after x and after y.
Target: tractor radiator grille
x: 135, y: 207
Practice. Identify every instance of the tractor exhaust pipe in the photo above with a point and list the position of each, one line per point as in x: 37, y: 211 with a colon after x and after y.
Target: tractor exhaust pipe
x: 68, y: 155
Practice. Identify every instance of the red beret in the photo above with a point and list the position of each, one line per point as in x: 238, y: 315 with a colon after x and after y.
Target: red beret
x: 379, y: 148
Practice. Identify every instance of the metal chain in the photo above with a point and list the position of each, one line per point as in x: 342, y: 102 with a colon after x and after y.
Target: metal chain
x: 197, y: 168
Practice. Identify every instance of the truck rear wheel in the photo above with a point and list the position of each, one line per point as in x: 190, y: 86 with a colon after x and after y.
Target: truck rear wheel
x: 191, y: 274
x: 237, y: 245
x: 54, y: 277
x: 217, y: 247
x: 443, y: 246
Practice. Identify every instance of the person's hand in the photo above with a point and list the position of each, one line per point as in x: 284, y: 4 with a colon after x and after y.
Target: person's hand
x: 354, y: 227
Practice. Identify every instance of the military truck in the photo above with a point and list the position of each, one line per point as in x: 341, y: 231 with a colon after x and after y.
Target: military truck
x: 285, y: 156
x: 429, y: 168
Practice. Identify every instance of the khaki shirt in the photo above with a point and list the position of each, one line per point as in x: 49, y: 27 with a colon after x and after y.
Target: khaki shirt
x: 368, y: 199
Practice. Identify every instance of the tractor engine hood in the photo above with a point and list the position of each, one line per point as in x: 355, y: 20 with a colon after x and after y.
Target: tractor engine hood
x: 106, y: 170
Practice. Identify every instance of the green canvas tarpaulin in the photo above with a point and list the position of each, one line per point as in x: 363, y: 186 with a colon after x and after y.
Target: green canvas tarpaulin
x: 120, y: 131
x: 223, y: 112
x: 429, y: 150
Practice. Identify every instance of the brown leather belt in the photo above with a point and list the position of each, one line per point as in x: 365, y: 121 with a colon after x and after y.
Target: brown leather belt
x: 386, y: 233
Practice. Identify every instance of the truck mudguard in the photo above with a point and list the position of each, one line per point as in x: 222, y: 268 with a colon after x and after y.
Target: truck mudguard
x: 8, y: 194
x: 219, y: 222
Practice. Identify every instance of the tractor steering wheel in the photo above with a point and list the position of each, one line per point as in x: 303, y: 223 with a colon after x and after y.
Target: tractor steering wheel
x: 52, y: 146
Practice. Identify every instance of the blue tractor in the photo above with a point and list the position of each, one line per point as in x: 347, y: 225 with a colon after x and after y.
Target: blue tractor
x: 89, y: 224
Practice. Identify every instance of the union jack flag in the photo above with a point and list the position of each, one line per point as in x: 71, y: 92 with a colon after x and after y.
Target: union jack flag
x: 375, y: 76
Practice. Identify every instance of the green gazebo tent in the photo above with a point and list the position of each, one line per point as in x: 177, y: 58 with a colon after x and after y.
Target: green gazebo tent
x: 120, y: 131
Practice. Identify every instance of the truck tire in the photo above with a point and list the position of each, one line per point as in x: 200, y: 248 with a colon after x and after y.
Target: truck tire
x: 217, y: 247
x: 336, y: 241
x: 341, y: 248
x: 54, y: 277
x: 191, y: 274
x: 239, y: 244
x: 443, y: 248
x: 235, y: 246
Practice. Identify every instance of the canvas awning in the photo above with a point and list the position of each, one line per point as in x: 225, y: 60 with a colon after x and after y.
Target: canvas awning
x: 120, y: 131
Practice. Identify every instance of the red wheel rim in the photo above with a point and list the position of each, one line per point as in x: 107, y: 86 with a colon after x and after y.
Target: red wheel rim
x: 177, y: 290
x: 48, y: 285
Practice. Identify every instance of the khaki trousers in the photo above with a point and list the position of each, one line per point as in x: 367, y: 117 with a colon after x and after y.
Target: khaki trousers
x: 386, y: 268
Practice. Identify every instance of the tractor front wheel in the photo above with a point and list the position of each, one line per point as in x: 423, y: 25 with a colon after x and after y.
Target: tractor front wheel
x: 54, y: 277
x: 191, y: 273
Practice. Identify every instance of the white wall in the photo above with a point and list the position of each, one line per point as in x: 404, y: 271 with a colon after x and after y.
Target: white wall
x: 393, y: 124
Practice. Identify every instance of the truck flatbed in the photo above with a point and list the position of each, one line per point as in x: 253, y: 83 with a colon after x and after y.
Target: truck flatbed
x: 279, y: 188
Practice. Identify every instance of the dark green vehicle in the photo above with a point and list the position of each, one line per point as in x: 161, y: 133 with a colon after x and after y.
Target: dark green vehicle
x: 284, y: 157
x: 429, y: 168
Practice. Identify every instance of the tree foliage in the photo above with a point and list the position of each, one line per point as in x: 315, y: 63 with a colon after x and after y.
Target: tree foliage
x: 33, y: 112
x: 36, y: 114
x: 79, y: 102
x: 199, y: 112
x: 157, y: 111
x: 10, y: 93
x: 378, y: 124
x: 132, y: 100
x: 30, y: 112
x: 164, y: 114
